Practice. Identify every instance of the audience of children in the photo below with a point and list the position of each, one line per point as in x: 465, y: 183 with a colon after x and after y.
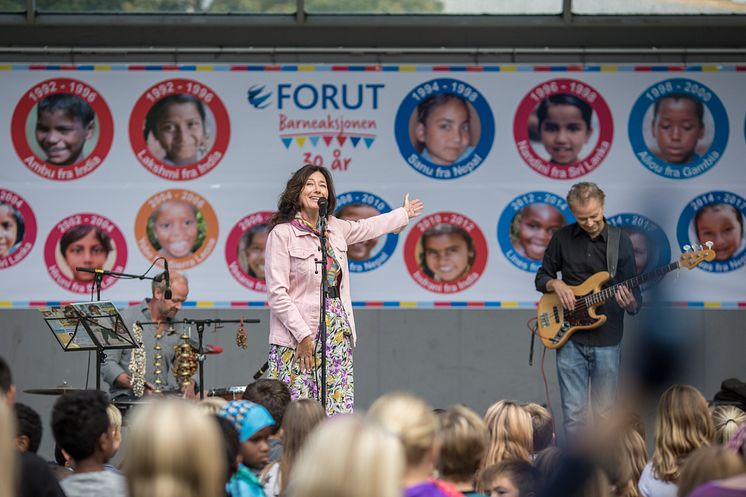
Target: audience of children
x: 403, y: 447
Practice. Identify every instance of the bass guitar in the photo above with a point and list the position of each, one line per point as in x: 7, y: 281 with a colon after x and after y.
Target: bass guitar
x: 557, y: 325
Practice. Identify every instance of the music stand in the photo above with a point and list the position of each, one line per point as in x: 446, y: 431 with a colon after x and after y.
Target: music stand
x: 102, y: 329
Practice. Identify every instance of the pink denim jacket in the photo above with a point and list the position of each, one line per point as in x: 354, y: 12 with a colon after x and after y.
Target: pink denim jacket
x: 293, y: 286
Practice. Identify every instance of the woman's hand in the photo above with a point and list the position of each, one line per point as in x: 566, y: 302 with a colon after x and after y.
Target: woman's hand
x: 304, y: 354
x: 413, y: 207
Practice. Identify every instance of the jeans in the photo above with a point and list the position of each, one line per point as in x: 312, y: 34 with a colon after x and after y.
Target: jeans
x: 580, y: 367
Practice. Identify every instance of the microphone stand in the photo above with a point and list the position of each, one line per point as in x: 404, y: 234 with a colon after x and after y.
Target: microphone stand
x: 98, y: 278
x: 322, y: 313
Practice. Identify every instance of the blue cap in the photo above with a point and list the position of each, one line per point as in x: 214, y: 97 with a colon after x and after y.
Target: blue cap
x: 247, y: 417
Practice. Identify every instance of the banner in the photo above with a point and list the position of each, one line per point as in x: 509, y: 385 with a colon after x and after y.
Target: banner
x: 114, y: 166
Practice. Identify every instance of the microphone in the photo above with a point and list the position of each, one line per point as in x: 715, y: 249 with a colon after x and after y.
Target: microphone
x: 323, y: 206
x: 93, y: 270
x: 167, y: 294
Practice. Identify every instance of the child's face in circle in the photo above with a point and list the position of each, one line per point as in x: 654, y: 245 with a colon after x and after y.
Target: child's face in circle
x: 175, y: 229
x: 445, y: 132
x: 720, y: 226
x: 255, y: 254
x: 677, y: 129
x: 86, y: 252
x: 563, y: 133
x: 62, y: 137
x: 640, y: 249
x: 447, y: 256
x: 181, y: 133
x: 8, y: 230
x: 359, y: 251
x: 537, y: 225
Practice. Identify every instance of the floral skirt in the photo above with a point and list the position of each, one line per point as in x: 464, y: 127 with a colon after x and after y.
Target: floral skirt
x: 339, y: 378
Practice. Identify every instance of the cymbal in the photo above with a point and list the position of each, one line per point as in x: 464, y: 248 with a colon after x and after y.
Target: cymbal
x: 53, y: 391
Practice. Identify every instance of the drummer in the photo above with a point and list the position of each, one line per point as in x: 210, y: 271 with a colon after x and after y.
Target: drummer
x: 115, y: 370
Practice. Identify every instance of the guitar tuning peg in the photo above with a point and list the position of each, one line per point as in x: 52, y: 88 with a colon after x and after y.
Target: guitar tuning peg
x: 709, y: 244
x: 687, y: 248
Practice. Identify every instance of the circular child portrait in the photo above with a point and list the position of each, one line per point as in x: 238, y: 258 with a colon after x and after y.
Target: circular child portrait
x: 527, y: 224
x: 369, y: 254
x: 445, y: 252
x: 179, y: 225
x: 649, y: 242
x: 716, y: 217
x: 244, y: 250
x: 17, y: 228
x: 179, y: 129
x: 678, y: 128
x: 563, y: 129
x: 444, y: 128
x: 84, y: 240
x: 62, y: 129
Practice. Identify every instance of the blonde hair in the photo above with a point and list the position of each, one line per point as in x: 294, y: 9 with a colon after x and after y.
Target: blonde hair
x: 464, y: 443
x: 410, y: 419
x: 7, y: 448
x: 727, y: 420
x: 622, y: 454
x: 174, y: 450
x: 707, y: 464
x: 543, y: 426
x: 511, y: 432
x: 360, y: 460
x: 301, y: 417
x: 582, y: 192
x: 683, y: 424
x: 212, y: 405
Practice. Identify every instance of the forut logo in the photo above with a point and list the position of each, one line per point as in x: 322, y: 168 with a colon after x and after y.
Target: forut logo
x: 258, y: 97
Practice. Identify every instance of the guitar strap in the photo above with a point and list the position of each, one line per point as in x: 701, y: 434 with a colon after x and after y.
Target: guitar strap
x: 612, y: 249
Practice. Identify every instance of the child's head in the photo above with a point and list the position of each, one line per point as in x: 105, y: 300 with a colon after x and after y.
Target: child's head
x: 254, y: 425
x: 81, y: 426
x: 677, y: 127
x: 509, y: 478
x: 708, y: 464
x: 178, y: 122
x: 722, y: 224
x: 174, y: 449
x: 511, y: 432
x: 412, y: 420
x: 564, y: 126
x: 301, y: 418
x: 251, y: 250
x: 533, y: 227
x: 12, y: 228
x: 355, y: 212
x: 543, y: 426
x: 63, y: 124
x: 464, y: 438
x: 447, y: 252
x: 360, y: 459
x: 85, y: 246
x: 115, y: 427
x: 727, y: 419
x: 683, y: 424
x: 271, y: 393
x: 443, y: 127
x: 28, y: 423
x: 175, y: 228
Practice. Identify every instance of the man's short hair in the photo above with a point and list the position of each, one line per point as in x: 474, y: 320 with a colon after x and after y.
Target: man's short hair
x: 28, y: 423
x: 6, y: 379
x: 273, y: 394
x: 78, y: 421
x: 159, y: 280
x: 582, y: 192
